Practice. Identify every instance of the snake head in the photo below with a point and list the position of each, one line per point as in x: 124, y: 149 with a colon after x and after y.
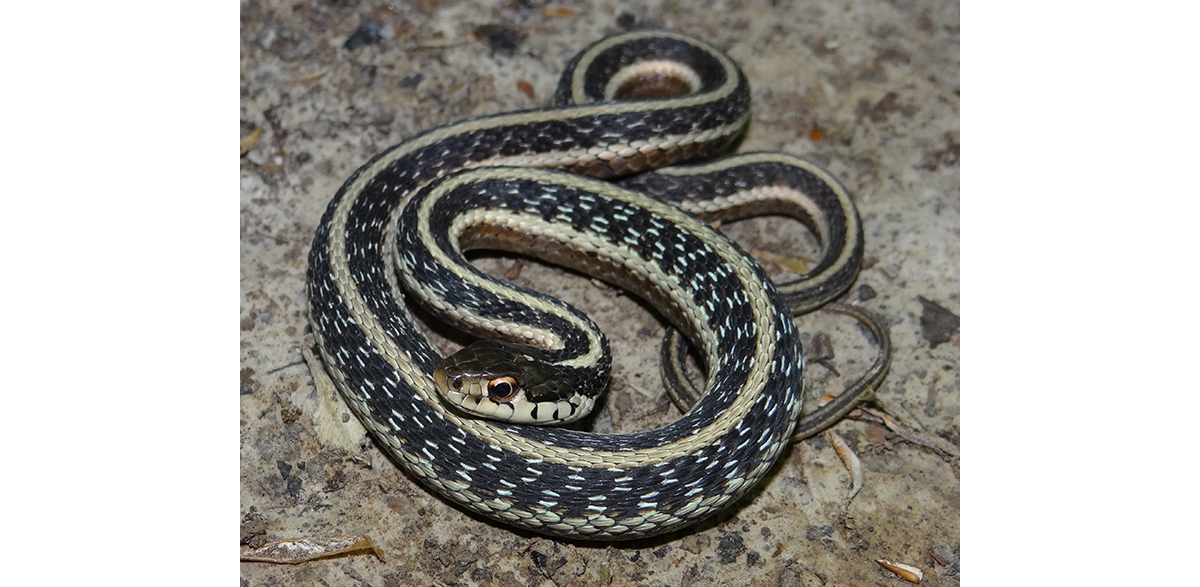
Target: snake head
x: 510, y: 382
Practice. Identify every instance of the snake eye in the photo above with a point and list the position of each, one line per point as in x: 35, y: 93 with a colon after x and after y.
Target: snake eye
x: 457, y: 382
x: 502, y: 389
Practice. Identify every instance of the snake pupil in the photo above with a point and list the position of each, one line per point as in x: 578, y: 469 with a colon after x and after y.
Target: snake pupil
x: 502, y: 389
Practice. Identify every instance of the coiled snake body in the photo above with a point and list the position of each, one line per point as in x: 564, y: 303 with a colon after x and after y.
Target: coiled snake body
x: 477, y: 183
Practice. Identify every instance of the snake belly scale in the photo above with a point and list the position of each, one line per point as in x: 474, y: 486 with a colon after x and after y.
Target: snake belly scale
x: 479, y: 177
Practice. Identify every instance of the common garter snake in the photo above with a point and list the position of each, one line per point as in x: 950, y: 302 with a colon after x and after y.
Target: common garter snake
x: 476, y: 183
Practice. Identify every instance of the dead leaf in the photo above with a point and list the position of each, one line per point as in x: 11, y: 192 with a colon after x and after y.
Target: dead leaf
x: 302, y: 550
x: 305, y: 79
x: 907, y: 572
x: 251, y: 140
x: 793, y: 264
